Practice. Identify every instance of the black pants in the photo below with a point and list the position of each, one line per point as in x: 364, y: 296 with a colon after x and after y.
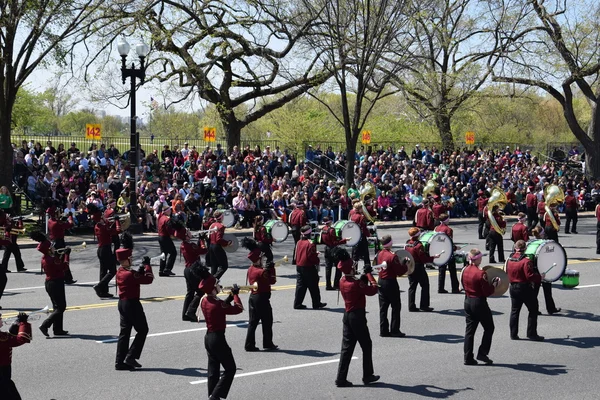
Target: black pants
x: 296, y: 236
x: 168, y: 248
x: 494, y: 240
x: 14, y: 250
x: 108, y: 268
x: 551, y: 233
x: 451, y: 267
x: 116, y: 244
x: 418, y: 277
x: 218, y: 260
x: 571, y: 214
x: 132, y: 316
x: 548, y: 299
x: 60, y: 244
x: 481, y: 219
x: 389, y: 295
x: 266, y: 248
x: 523, y: 293
x: 259, y: 310
x: 192, y: 299
x: 56, y: 290
x: 532, y: 218
x: 7, y: 386
x: 598, y: 237
x: 307, y: 278
x: 329, y: 265
x: 3, y: 281
x: 478, y: 312
x: 219, y: 353
x: 355, y: 330
x: 361, y: 250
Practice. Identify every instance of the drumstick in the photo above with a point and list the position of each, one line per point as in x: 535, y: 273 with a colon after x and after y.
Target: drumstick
x: 549, y: 269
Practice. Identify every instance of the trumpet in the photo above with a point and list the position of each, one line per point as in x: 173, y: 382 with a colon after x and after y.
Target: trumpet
x: 29, y: 216
x: 74, y: 249
x: 198, y: 233
x: 13, y: 231
x: 154, y: 260
x: 380, y: 267
x: 32, y: 316
x: 243, y: 288
x: 284, y: 260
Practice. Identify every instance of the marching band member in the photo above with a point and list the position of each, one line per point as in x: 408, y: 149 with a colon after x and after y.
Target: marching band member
x: 109, y: 213
x: 3, y: 278
x: 494, y: 239
x: 166, y: 227
x: 519, y: 230
x: 451, y: 265
x: 104, y: 231
x: 297, y: 221
x: 389, y: 290
x: 263, y: 237
x: 551, y: 231
x: 130, y: 308
x: 191, y: 250
x: 438, y: 209
x: 307, y: 262
x: 541, y: 210
x: 597, y: 212
x: 219, y: 353
x: 477, y: 289
x: 571, y: 212
x: 481, y: 203
x: 330, y: 239
x: 424, y: 217
x: 531, y: 203
x: 18, y: 334
x: 523, y: 276
x: 354, y: 292
x: 361, y: 250
x: 259, y: 304
x: 54, y: 266
x: 218, y: 257
x: 419, y: 276
x: 56, y: 231
x: 13, y: 247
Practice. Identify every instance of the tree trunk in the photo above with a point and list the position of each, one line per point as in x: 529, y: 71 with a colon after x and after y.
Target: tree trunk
x: 350, y: 159
x: 442, y: 123
x: 233, y: 129
x: 592, y: 159
x: 6, y: 152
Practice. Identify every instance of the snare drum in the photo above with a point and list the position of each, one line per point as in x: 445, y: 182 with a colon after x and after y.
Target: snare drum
x: 277, y: 229
x: 437, y: 243
x: 348, y: 229
x: 460, y: 257
x: 228, y: 218
x: 570, y: 279
x: 548, y: 257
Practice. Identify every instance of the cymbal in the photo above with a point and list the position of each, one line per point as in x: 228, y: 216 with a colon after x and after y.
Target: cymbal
x: 493, y: 272
x: 402, y: 254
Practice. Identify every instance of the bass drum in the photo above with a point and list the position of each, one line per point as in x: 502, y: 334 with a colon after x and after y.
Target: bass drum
x: 548, y: 257
x: 437, y: 243
x: 228, y: 218
x: 277, y: 229
x: 348, y: 229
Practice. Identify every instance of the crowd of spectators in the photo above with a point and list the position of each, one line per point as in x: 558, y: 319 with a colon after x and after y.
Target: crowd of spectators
x: 269, y: 181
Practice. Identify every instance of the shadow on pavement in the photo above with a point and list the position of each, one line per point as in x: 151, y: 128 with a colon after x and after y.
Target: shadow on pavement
x: 544, y: 369
x: 307, y: 353
x: 578, y: 315
x: 579, y: 342
x: 441, y: 338
x: 86, y: 337
x: 459, y: 312
x: 192, y: 372
x: 435, y: 392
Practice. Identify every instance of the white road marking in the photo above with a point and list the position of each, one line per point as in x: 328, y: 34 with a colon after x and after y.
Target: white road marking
x: 169, y: 333
x: 43, y: 287
x: 266, y: 371
x: 586, y: 286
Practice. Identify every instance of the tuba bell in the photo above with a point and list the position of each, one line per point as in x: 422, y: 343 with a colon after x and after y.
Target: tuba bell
x: 497, y: 198
x: 429, y: 188
x: 553, y: 196
x: 367, y: 193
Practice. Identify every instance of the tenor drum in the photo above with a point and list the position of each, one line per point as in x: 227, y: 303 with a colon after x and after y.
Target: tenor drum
x: 278, y: 230
x: 234, y: 243
x: 437, y: 243
x: 228, y: 218
x: 570, y: 279
x: 548, y: 257
x: 348, y: 229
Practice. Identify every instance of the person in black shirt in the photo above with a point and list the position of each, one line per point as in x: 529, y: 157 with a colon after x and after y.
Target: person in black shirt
x: 166, y: 153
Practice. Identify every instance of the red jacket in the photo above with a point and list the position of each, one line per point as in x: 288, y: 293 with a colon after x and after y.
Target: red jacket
x: 306, y: 253
x: 417, y: 251
x: 519, y: 232
x: 8, y: 341
x: 438, y: 209
x: 541, y: 208
x: 215, y: 311
x: 531, y: 200
x: 261, y: 235
x: 361, y: 221
x: 571, y: 202
x: 57, y: 229
x: 191, y: 251
x: 54, y: 266
x: 394, y: 267
x: 217, y: 236
x: 424, y: 219
x: 104, y: 233
x: 481, y: 203
x: 298, y: 218
x: 499, y: 220
x: 354, y: 292
x: 476, y: 283
x: 329, y: 237
x: 520, y: 270
x: 445, y: 229
x: 548, y: 221
x: 163, y: 227
x: 129, y: 282
x: 598, y: 212
x: 264, y: 277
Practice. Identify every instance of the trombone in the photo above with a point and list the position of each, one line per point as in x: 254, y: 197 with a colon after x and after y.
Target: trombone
x: 32, y: 316
x: 284, y: 260
x: 74, y: 249
x: 196, y: 234
x: 243, y: 288
x: 13, y: 231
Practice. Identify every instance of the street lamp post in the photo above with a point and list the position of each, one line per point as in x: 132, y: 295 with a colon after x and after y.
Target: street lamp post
x: 134, y: 152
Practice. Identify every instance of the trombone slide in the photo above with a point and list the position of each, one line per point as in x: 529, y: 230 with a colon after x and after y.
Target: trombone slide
x: 32, y: 316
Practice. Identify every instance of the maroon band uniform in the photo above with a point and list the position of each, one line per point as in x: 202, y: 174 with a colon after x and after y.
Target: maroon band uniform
x: 54, y: 266
x: 519, y: 232
x: 9, y: 340
x: 307, y: 276
x: 419, y: 276
x: 297, y: 220
x: 191, y: 251
x: 424, y: 219
x: 389, y: 292
x: 217, y: 256
x: 361, y: 250
x: 331, y: 240
x: 259, y: 303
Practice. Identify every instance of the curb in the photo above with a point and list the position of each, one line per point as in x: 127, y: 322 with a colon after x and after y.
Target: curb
x: 150, y: 237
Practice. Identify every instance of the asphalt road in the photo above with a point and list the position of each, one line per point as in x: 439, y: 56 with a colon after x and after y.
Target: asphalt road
x: 427, y: 363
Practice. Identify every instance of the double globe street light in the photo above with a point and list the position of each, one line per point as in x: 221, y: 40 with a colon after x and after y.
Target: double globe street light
x: 141, y: 50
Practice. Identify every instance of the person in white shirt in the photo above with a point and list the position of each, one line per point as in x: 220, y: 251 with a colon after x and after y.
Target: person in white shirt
x: 185, y: 151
